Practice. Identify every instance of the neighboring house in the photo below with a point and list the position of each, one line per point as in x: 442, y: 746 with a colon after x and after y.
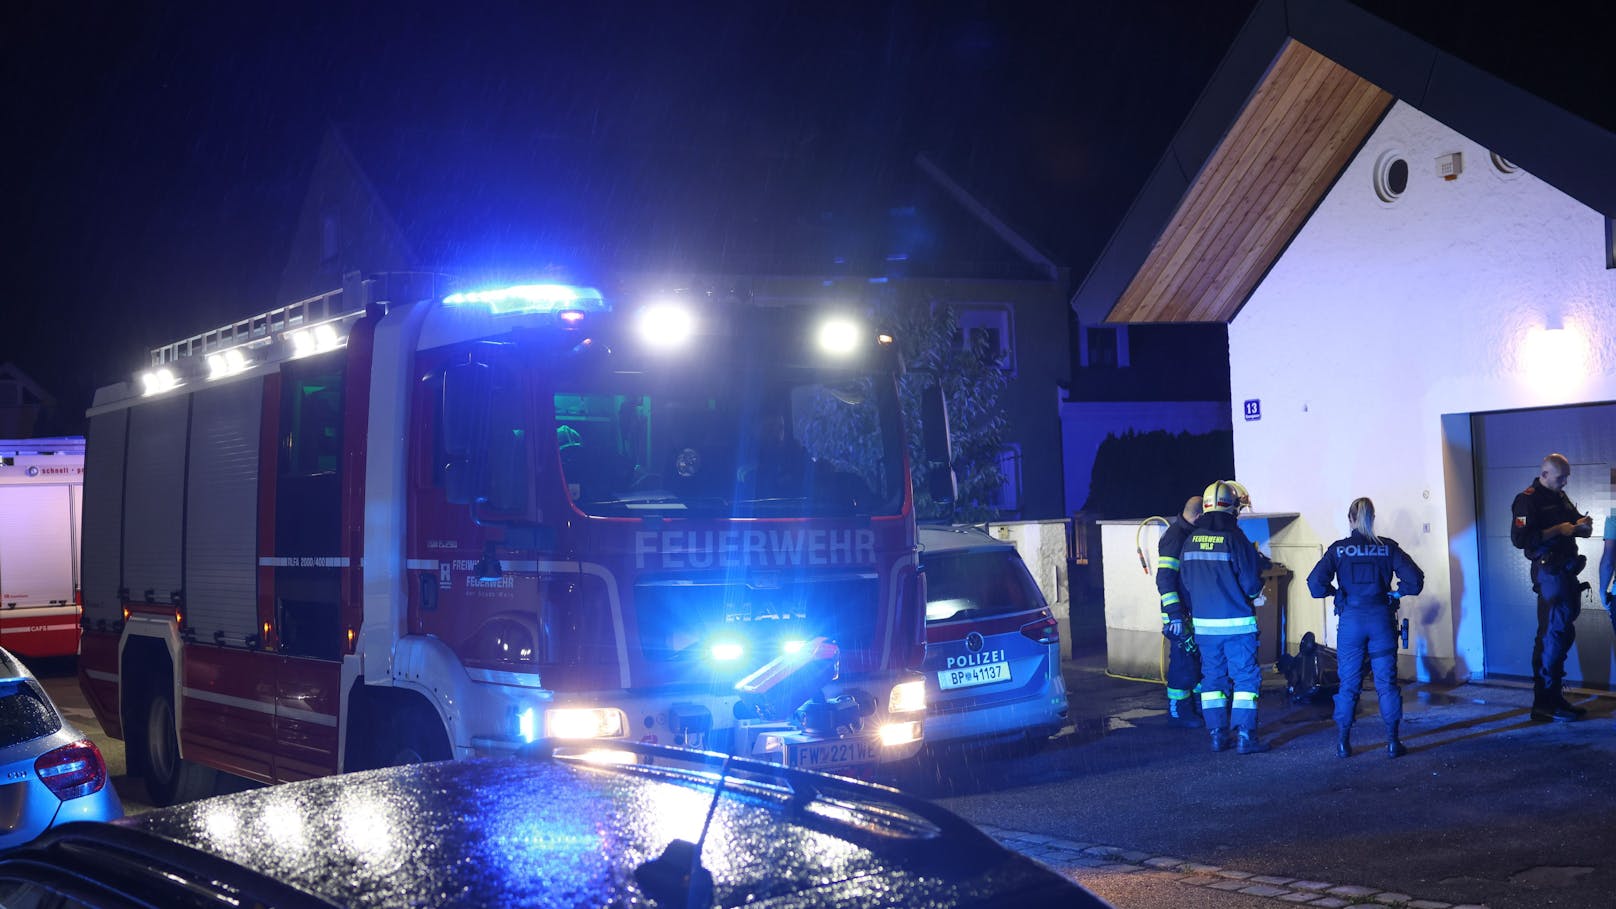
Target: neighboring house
x: 472, y: 208
x: 1143, y: 379
x: 22, y: 403
x: 1414, y: 260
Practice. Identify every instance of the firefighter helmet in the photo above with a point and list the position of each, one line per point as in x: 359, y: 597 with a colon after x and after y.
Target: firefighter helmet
x: 1221, y: 496
x: 1240, y: 494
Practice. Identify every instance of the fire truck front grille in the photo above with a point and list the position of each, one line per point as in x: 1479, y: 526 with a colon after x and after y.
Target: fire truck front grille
x: 683, y: 619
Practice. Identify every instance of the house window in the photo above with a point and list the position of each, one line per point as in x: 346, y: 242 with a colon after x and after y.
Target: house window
x: 994, y: 324
x: 1009, y: 498
x: 1101, y: 349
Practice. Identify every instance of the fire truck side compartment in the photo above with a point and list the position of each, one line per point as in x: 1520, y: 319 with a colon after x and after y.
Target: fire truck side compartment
x: 103, y: 516
x: 221, y: 578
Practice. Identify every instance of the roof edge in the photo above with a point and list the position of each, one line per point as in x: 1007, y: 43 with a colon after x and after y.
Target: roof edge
x: 1547, y: 141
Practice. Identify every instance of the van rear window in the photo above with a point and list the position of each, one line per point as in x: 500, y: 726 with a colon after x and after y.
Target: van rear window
x: 25, y: 713
x: 976, y: 584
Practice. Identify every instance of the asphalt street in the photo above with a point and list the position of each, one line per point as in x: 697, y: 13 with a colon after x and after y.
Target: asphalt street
x: 1488, y: 808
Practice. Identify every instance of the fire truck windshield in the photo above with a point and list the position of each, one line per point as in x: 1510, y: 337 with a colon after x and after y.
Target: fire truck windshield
x: 775, y: 445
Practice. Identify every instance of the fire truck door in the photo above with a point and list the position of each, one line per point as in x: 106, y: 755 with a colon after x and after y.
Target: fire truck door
x: 309, y: 563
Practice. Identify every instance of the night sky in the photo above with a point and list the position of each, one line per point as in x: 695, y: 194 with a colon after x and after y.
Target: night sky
x: 158, y: 152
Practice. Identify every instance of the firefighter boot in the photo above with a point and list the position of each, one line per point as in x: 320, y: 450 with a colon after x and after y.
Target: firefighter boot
x: 1220, y: 739
x: 1249, y: 743
x: 1181, y: 713
x: 1394, y: 748
x: 1343, y: 742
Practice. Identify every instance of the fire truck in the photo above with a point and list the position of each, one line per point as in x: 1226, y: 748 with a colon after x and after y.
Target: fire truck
x: 353, y: 532
x: 41, y: 486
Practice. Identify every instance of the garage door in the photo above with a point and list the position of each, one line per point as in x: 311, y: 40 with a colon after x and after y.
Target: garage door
x: 1509, y: 448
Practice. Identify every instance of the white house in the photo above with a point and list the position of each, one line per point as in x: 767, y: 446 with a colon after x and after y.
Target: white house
x: 1415, y: 262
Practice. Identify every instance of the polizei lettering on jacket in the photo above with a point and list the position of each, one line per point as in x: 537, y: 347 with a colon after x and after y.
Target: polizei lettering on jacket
x: 975, y: 659
x: 732, y: 548
x: 1354, y: 549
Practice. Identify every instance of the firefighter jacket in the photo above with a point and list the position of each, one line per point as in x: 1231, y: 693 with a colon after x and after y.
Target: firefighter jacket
x: 1535, y: 510
x: 1220, y: 573
x: 1362, y: 569
x: 1174, y: 605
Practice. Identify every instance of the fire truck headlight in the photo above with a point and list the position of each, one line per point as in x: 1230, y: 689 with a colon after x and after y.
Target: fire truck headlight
x: 792, y: 646
x: 727, y: 652
x: 666, y: 325
x: 584, y: 723
x: 907, y: 697
x: 900, y: 733
x: 839, y: 336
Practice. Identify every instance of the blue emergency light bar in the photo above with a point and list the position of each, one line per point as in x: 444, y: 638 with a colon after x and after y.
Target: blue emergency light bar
x: 532, y: 298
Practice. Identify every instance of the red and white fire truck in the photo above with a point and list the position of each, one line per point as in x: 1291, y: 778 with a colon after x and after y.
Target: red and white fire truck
x: 349, y: 533
x: 41, y: 487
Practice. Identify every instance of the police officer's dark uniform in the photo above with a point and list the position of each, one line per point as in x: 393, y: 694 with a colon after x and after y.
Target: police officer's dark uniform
x: 1555, y: 566
x: 1183, y: 657
x: 1363, y: 567
x: 1220, y: 572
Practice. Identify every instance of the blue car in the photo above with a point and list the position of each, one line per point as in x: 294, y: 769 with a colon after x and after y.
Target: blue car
x: 992, y: 645
x: 53, y: 774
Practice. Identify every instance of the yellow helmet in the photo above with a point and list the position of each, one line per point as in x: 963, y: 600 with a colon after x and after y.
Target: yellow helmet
x: 1222, y: 496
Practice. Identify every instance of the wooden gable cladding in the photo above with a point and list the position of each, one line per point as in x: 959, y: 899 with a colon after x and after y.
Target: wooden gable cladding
x: 1301, y: 126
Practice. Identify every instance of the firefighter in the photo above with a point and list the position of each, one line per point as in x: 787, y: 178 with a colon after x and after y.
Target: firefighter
x: 1363, y: 565
x: 1183, y: 659
x: 1545, y: 526
x: 1220, y: 574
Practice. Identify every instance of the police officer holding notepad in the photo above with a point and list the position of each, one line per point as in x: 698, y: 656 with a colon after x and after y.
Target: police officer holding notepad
x: 1545, y: 527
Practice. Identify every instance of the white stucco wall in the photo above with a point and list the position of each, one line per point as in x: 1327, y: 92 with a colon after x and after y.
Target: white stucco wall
x: 1381, y: 318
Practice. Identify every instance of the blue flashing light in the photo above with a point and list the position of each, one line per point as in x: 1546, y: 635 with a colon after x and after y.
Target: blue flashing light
x: 878, y: 280
x: 532, y: 298
x: 527, y: 725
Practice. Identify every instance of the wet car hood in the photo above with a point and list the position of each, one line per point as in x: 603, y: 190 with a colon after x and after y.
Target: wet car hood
x: 522, y: 832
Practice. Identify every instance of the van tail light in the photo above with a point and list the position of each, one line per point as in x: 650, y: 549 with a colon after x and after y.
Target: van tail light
x: 1045, y: 631
x: 72, y: 770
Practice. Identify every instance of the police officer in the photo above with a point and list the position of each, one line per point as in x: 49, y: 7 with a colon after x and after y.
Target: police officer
x: 1363, y: 565
x: 1183, y: 659
x: 1545, y: 526
x: 1220, y: 573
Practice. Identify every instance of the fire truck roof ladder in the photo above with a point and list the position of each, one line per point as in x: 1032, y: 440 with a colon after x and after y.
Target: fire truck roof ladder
x: 333, y: 308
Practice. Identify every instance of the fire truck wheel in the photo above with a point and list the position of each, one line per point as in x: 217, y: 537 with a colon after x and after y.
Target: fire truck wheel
x: 414, y: 738
x: 169, y: 778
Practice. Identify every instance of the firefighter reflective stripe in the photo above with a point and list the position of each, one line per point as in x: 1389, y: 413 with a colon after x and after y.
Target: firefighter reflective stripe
x: 1245, y: 699
x: 1170, y: 598
x: 1213, y: 699
x: 1241, y: 625
x: 1205, y: 555
x: 1178, y: 694
x: 1167, y: 562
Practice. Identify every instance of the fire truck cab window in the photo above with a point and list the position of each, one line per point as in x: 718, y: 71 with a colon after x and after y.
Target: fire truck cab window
x: 730, y: 445
x: 312, y: 440
x: 308, y: 508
